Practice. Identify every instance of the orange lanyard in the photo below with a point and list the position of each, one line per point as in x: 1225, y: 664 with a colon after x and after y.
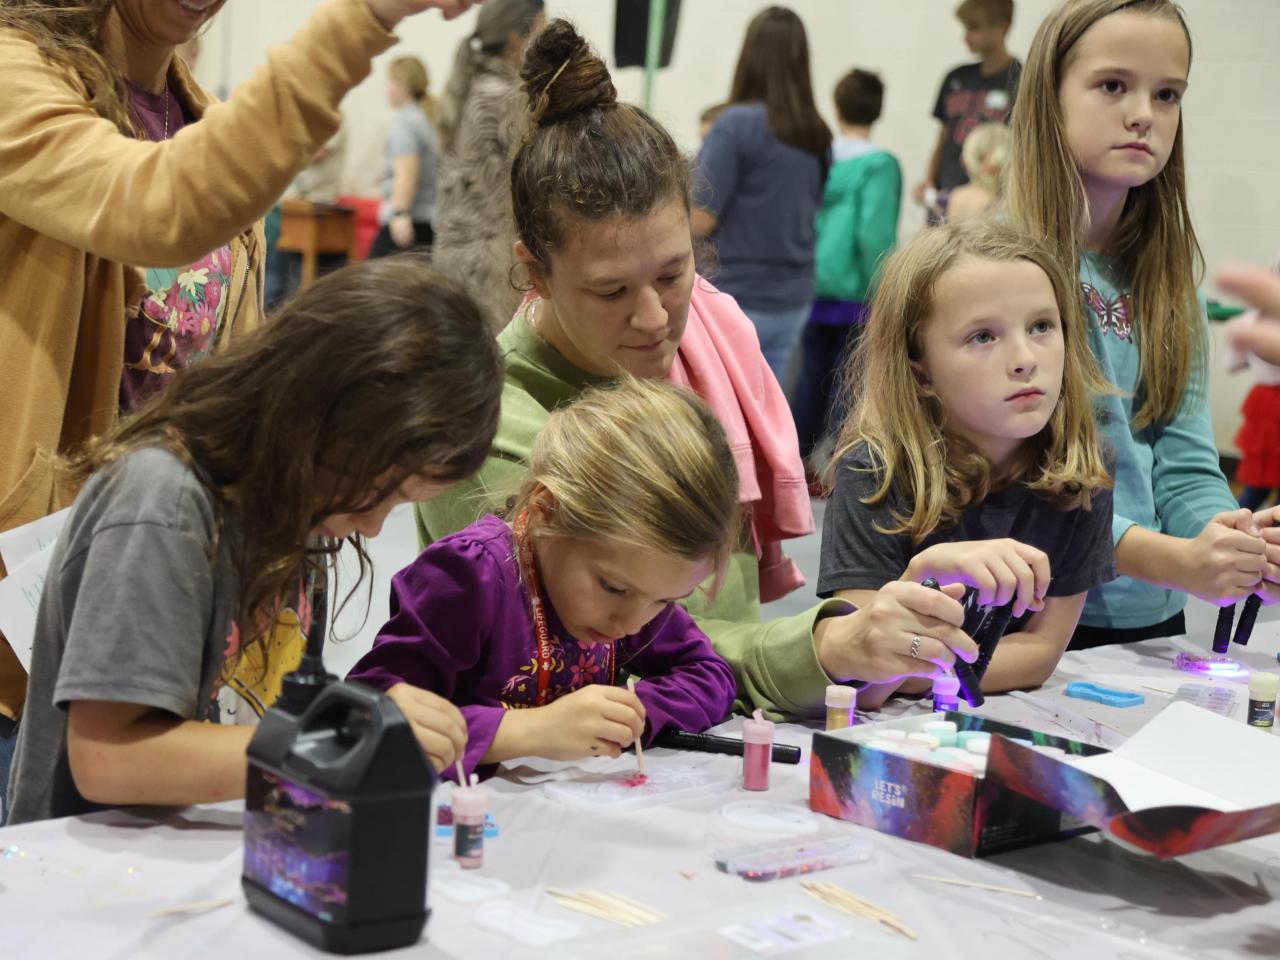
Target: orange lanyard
x: 545, y: 652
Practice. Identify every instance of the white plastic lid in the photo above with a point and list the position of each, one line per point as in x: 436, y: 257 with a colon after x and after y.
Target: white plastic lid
x: 757, y: 729
x: 838, y: 695
x: 981, y: 747
x: 470, y: 801
x: 928, y: 739
x: 940, y: 728
x: 893, y: 733
x: 1264, y: 684
x: 947, y: 685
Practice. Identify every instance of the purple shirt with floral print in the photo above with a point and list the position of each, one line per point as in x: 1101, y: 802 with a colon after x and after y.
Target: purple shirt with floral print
x: 178, y: 320
x: 461, y: 626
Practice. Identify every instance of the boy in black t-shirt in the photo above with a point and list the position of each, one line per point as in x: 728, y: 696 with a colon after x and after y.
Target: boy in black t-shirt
x: 972, y: 94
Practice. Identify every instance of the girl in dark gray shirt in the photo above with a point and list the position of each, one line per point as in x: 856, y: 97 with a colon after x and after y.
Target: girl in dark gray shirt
x: 200, y: 518
x: 971, y: 457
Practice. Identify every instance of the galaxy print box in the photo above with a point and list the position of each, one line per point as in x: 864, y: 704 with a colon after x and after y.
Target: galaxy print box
x: 1187, y: 781
x: 936, y: 795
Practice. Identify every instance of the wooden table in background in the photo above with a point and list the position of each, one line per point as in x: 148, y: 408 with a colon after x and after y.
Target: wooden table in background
x: 312, y: 229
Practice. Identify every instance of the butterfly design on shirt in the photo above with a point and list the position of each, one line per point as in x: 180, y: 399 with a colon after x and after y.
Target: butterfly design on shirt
x: 1114, y: 316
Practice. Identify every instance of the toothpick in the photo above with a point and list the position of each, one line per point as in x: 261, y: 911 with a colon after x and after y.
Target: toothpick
x: 655, y: 914
x: 994, y: 888
x: 199, y: 906
x: 849, y: 902
x: 607, y: 905
x: 631, y: 685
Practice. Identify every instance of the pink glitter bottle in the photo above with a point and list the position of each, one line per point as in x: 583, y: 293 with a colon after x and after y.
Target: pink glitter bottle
x: 757, y: 744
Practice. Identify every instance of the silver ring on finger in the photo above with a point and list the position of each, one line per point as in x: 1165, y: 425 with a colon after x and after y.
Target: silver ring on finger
x: 915, y: 647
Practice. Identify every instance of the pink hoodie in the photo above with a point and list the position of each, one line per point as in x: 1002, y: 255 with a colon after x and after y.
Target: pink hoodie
x: 720, y: 360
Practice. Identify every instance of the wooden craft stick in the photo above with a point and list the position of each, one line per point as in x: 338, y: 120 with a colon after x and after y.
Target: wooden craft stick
x: 994, y: 888
x: 631, y: 685
x: 198, y: 906
x: 656, y: 914
x: 607, y: 905
x: 462, y: 776
x: 850, y: 902
x: 607, y: 902
x: 583, y: 907
x: 586, y: 903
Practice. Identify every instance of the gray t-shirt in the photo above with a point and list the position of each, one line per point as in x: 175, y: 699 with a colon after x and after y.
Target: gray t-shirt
x: 766, y: 195
x: 855, y: 556
x: 135, y: 609
x: 411, y: 133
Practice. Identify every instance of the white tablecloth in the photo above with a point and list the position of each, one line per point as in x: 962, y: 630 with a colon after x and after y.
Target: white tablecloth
x: 82, y: 887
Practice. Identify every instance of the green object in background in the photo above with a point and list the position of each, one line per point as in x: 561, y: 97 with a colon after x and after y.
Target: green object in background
x: 1221, y: 312
x: 653, y: 48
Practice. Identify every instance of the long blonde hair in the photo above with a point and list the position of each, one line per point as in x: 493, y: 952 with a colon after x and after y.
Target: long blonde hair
x: 1153, y: 241
x: 937, y: 473
x: 411, y: 74
x: 986, y: 155
x: 642, y: 463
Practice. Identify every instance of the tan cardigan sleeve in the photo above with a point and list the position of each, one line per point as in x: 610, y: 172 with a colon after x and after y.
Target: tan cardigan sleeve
x: 71, y: 175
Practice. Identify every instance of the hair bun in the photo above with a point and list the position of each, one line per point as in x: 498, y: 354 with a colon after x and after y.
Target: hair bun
x: 562, y: 75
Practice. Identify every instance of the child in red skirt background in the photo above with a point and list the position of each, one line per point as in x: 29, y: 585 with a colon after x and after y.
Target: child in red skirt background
x: 1259, y: 436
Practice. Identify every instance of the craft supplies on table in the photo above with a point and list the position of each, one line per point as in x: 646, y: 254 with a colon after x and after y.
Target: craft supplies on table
x: 788, y: 858
x: 1108, y: 696
x: 1219, y: 700
x: 621, y: 792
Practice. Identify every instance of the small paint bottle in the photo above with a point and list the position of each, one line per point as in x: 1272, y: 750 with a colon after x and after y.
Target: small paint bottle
x: 757, y: 744
x: 944, y: 730
x: 945, y: 693
x: 1262, y: 699
x: 839, y: 706
x: 470, y: 804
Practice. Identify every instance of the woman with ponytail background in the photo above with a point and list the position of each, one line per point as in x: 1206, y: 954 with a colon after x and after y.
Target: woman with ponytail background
x: 480, y: 118
x: 413, y: 157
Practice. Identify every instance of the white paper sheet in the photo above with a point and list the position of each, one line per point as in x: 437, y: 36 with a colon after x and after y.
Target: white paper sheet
x: 19, y: 601
x: 20, y: 543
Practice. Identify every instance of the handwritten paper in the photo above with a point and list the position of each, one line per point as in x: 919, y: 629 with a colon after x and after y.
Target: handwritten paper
x: 18, y: 544
x: 20, y: 599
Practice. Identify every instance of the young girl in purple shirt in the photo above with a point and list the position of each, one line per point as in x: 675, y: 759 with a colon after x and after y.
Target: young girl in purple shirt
x: 531, y: 625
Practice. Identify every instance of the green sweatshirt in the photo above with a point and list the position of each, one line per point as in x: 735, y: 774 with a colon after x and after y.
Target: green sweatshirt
x: 775, y: 662
x: 858, y: 222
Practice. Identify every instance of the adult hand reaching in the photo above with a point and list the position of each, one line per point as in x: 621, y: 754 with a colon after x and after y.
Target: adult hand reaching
x: 1260, y: 289
x: 391, y: 12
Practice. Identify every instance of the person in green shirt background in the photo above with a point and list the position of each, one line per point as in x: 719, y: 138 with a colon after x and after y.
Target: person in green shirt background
x: 857, y: 227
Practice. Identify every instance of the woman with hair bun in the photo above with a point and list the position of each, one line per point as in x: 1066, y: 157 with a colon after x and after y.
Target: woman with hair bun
x: 601, y: 201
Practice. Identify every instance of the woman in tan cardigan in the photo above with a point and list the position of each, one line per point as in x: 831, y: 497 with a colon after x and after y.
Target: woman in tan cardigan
x: 87, y: 204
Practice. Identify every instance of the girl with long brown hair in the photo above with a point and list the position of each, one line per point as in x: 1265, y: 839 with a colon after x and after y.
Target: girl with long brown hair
x: 1098, y: 168
x: 765, y: 164
x: 200, y: 519
x: 970, y: 455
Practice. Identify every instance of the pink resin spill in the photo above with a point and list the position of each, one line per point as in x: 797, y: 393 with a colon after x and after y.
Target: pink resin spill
x: 635, y: 780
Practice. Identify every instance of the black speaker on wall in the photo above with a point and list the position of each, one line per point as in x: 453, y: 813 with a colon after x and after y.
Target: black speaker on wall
x: 631, y: 32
